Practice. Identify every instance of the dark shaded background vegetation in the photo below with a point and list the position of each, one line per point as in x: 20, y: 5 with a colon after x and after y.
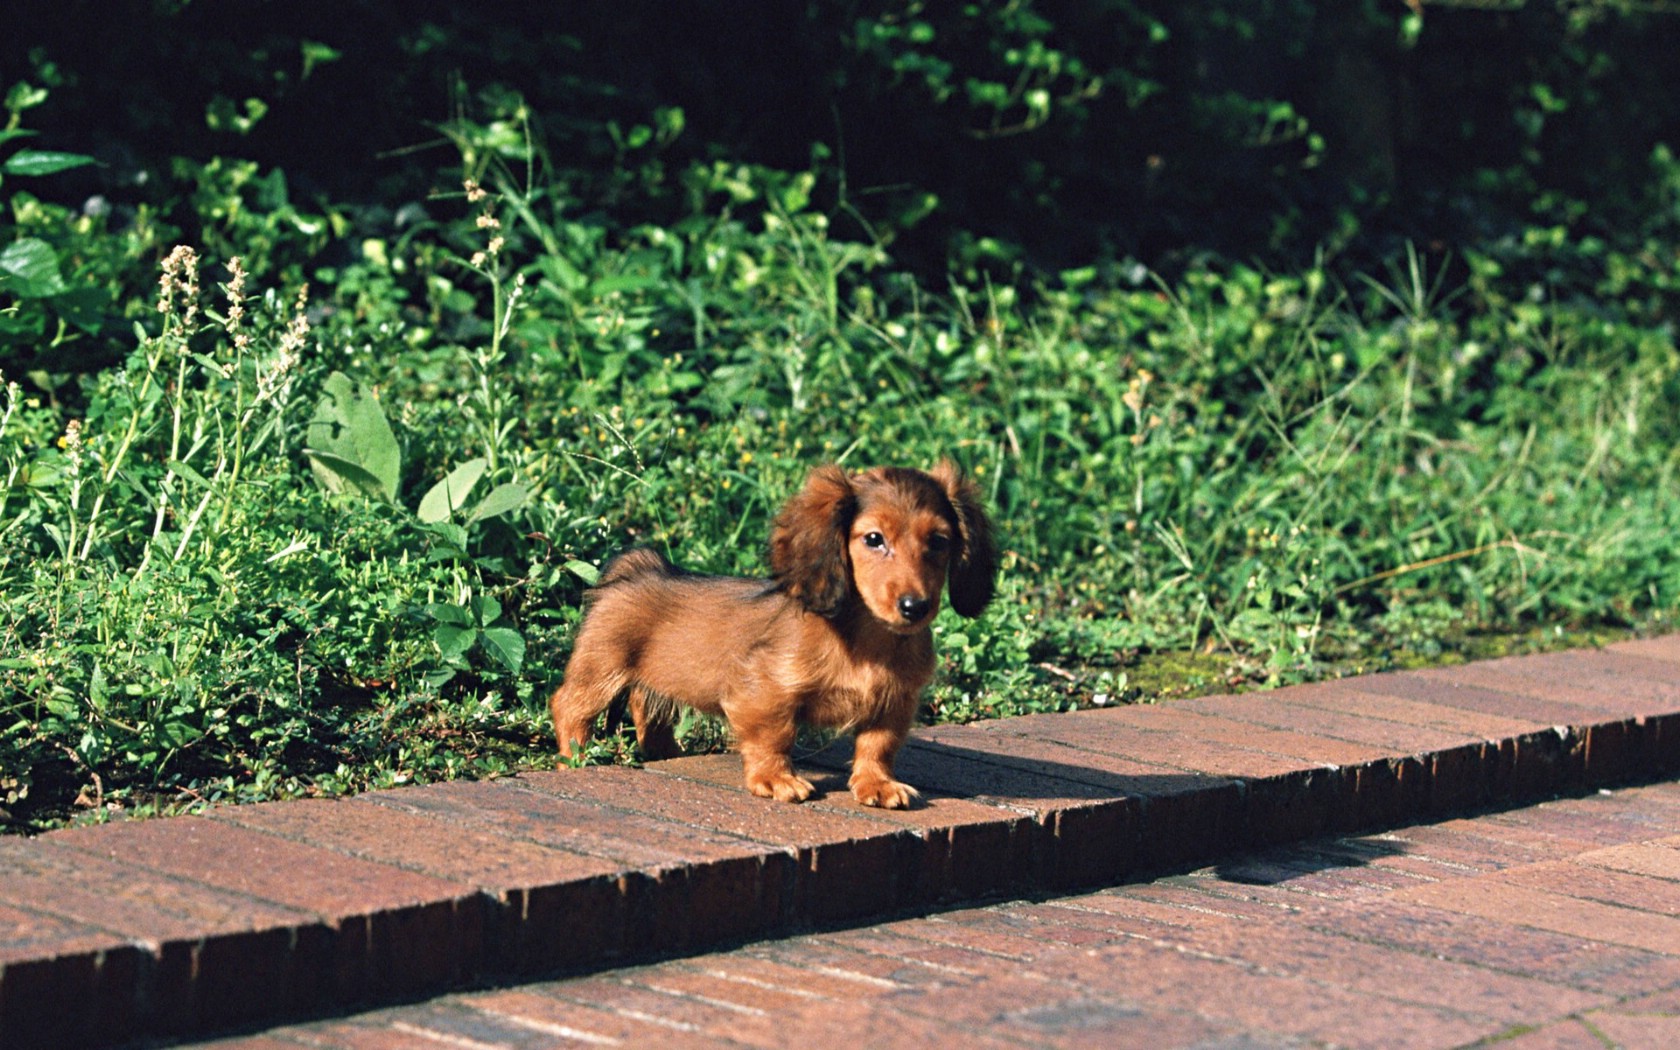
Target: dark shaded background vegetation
x: 1266, y: 130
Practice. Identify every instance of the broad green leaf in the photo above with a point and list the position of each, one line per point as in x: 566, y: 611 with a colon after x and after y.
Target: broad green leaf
x: 350, y: 428
x: 443, y: 612
x: 43, y: 162
x: 584, y: 571
x: 56, y: 536
x: 448, y: 495
x: 453, y: 641
x: 623, y: 283
x: 506, y: 645
x: 338, y: 474
x: 376, y: 445
x: 486, y: 609
x: 501, y: 499
x: 187, y: 472
x: 29, y: 269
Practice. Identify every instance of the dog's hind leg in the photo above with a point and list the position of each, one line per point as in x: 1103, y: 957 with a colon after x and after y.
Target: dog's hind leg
x: 654, y: 733
x: 586, y: 692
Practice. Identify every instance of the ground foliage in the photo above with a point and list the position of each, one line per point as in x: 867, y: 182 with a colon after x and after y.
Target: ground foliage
x: 337, y: 355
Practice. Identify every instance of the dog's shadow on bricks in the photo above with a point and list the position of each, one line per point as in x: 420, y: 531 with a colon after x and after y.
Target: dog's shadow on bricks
x: 1003, y: 776
x: 1285, y: 828
x: 1310, y: 865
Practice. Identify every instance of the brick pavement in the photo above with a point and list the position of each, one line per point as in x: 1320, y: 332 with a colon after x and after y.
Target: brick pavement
x: 1558, y: 918
x: 1549, y: 926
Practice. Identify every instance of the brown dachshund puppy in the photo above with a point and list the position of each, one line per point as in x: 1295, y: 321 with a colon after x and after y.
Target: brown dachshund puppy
x: 840, y: 636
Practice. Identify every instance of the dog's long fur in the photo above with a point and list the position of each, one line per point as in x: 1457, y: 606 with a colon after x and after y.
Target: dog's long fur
x: 839, y: 636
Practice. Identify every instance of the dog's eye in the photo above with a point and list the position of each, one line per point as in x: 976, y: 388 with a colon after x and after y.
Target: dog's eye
x: 874, y: 541
x: 938, y: 543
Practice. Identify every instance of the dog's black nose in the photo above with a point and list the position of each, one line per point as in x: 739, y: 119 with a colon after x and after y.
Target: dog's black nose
x: 912, y: 609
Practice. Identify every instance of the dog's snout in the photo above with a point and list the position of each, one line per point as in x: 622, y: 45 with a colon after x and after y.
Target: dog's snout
x: 913, y: 608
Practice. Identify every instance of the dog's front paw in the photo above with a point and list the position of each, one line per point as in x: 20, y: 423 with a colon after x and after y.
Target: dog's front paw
x: 783, y: 787
x: 882, y: 792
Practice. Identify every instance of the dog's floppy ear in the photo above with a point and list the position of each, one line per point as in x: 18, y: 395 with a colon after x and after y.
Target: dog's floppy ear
x: 808, y: 541
x: 972, y: 575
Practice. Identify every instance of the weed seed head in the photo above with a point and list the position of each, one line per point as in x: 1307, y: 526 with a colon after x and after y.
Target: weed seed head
x: 71, y: 442
x: 235, y: 289
x: 178, y: 287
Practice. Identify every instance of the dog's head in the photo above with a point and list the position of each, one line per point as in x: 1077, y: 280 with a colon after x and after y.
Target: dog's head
x: 891, y: 538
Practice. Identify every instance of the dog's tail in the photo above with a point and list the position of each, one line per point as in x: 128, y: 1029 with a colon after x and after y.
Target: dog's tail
x: 633, y: 565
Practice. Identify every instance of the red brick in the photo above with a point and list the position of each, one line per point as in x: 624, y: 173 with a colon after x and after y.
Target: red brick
x: 628, y: 992
x: 1586, y: 882
x: 1112, y: 773
x: 1262, y: 1004
x: 1657, y: 859
x: 1180, y: 817
x: 388, y: 828
x: 1231, y: 730
x: 1189, y: 893
x: 1295, y: 785
x: 1387, y: 789
x: 1666, y: 1001
x: 1126, y: 914
x: 683, y: 886
x: 1123, y: 732
x: 65, y: 984
x: 1598, y: 695
x: 219, y: 958
x: 1380, y: 970
x: 1636, y: 1030
x: 872, y: 1025
x: 847, y: 865
x: 394, y: 931
x: 824, y: 957
x: 1665, y: 648
x: 1491, y: 897
x: 524, y: 808
x: 1451, y: 724
x: 746, y: 996
x: 567, y: 1022
x: 974, y: 848
x: 1080, y: 833
x: 1038, y: 1013
x: 1504, y: 945
x: 1621, y: 674
x: 744, y: 967
x: 1456, y: 687
x: 1581, y: 823
x: 1332, y: 712
x: 1648, y: 812
x: 948, y: 963
x: 1571, y: 1033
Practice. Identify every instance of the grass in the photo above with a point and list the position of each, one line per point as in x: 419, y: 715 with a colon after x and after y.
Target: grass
x: 302, y: 544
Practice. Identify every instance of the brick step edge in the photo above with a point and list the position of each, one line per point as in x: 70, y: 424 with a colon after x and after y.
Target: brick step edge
x: 256, y: 914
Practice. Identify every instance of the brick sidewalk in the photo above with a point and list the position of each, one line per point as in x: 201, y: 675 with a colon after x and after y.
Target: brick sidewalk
x: 293, y: 909
x: 1552, y: 926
